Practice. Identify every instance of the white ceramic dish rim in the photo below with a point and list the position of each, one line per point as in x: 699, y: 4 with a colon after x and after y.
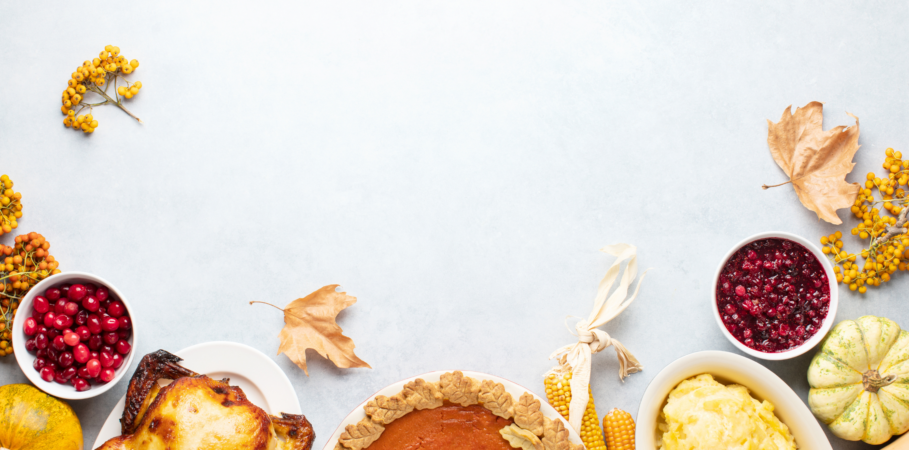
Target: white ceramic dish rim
x: 825, y: 325
x: 763, y: 383
x: 245, y: 361
x: 26, y: 359
x: 516, y: 390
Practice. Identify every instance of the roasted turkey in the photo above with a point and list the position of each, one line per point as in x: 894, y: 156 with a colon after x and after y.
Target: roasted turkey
x: 195, y: 412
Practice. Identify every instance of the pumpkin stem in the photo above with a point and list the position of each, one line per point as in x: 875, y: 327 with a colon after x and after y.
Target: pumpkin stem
x: 872, y: 381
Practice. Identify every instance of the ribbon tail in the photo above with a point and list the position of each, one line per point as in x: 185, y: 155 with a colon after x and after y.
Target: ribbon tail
x: 628, y: 364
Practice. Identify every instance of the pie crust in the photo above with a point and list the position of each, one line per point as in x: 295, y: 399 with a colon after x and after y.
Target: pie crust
x: 530, y: 430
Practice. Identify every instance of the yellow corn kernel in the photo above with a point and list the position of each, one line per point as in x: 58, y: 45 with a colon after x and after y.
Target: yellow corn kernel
x: 558, y: 393
x: 619, y: 428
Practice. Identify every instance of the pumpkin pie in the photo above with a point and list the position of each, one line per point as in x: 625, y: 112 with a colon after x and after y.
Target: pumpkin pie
x: 457, y: 412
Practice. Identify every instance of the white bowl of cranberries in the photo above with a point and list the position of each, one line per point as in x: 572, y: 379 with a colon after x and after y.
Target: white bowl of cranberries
x: 73, y: 335
x: 775, y: 295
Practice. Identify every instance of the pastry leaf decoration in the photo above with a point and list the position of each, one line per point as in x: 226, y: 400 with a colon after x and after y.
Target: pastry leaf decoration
x: 360, y: 435
x: 815, y: 160
x: 309, y: 322
x: 521, y: 438
x: 527, y: 414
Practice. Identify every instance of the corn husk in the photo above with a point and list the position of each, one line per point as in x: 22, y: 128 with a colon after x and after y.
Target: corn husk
x: 576, y: 358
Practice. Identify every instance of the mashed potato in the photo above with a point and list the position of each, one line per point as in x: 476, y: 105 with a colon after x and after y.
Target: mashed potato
x: 704, y: 414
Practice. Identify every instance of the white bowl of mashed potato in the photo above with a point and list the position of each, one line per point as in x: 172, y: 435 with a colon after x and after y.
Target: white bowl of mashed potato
x: 719, y: 400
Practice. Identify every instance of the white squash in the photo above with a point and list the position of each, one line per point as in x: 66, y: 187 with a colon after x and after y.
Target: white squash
x: 860, y: 380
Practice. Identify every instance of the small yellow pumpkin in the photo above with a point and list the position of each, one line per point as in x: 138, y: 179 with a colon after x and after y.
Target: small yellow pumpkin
x: 860, y: 380
x: 33, y: 420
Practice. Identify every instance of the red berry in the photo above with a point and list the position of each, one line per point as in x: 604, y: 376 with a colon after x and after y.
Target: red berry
x: 90, y: 288
x: 82, y: 372
x: 81, y: 317
x: 93, y: 366
x: 59, y: 343
x: 107, y: 375
x: 95, y: 341
x: 70, y: 308
x: 52, y: 294
x: 39, y: 364
x: 116, y: 309
x: 71, y: 339
x: 81, y: 385
x: 41, y: 304
x: 118, y: 360
x: 83, y: 333
x: 107, y: 360
x: 59, y: 305
x: 94, y: 324
x: 30, y: 327
x: 67, y: 373
x: 123, y: 347
x: 102, y: 293
x: 30, y: 345
x: 81, y: 353
x: 126, y: 323
x: 49, y: 319
x: 124, y: 334
x: 76, y: 292
x: 110, y: 324
x: 62, y: 321
x: 47, y: 374
x: 65, y: 359
x: 91, y: 303
x: 111, y: 338
x: 41, y: 341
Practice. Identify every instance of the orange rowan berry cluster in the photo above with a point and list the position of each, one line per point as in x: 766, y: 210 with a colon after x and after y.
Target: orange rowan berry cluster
x: 22, y: 267
x: 887, y: 235
x: 10, y: 206
x: 108, y: 68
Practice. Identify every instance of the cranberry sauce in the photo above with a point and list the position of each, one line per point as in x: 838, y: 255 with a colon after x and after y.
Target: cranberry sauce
x: 773, y: 295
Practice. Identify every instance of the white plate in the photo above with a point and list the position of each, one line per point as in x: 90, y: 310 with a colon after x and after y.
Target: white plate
x: 512, y: 388
x: 263, y: 382
x: 729, y: 368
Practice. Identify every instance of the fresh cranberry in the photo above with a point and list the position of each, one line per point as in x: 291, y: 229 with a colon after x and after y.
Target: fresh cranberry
x: 81, y: 317
x: 67, y: 373
x: 106, y: 349
x: 59, y: 305
x: 30, y: 345
x: 124, y: 334
x: 81, y: 385
x: 71, y: 308
x: 76, y: 292
x: 41, y: 341
x: 93, y: 366
x: 94, y: 324
x: 107, y: 360
x: 102, y: 293
x: 91, y: 303
x: 39, y: 364
x: 41, y: 304
x: 52, y: 334
x: 107, y: 375
x: 64, y: 290
x: 95, y: 341
x: 123, y: 347
x: 111, y: 338
x: 52, y: 294
x: 118, y: 360
x: 62, y: 321
x: 125, y: 323
x: 82, y: 372
x: 58, y: 343
x: 90, y: 288
x: 110, y: 324
x: 116, y: 309
x: 65, y: 359
x: 83, y: 333
x: 30, y: 327
x: 81, y: 353
x: 49, y: 319
x: 47, y: 374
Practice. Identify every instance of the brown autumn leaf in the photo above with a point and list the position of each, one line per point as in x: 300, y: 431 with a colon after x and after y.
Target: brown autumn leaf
x: 815, y: 160
x: 310, y: 323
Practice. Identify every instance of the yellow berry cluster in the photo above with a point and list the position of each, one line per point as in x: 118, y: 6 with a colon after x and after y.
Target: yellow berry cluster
x: 22, y: 267
x: 887, y: 243
x: 558, y: 394
x: 10, y: 206
x: 91, y: 76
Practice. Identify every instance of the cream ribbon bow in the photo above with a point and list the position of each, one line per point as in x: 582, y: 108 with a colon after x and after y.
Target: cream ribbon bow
x: 576, y: 357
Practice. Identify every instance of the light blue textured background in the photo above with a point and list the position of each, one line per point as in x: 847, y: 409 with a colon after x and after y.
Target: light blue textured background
x: 454, y: 165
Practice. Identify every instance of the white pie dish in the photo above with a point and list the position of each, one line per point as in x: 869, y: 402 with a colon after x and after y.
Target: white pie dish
x: 263, y: 382
x: 27, y: 359
x: 729, y: 368
x: 512, y: 388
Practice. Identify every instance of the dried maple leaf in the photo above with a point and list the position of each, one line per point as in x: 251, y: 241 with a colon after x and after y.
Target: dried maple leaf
x: 815, y: 160
x: 310, y: 323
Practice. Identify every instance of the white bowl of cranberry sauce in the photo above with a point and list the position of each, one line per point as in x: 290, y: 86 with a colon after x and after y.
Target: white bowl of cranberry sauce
x: 73, y: 335
x: 775, y: 295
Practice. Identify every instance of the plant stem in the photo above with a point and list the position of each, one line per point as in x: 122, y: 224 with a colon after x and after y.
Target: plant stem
x: 119, y: 105
x: 265, y: 303
x: 765, y: 187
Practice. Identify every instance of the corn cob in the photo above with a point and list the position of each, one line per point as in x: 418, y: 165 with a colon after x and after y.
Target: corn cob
x: 619, y: 428
x: 558, y: 393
